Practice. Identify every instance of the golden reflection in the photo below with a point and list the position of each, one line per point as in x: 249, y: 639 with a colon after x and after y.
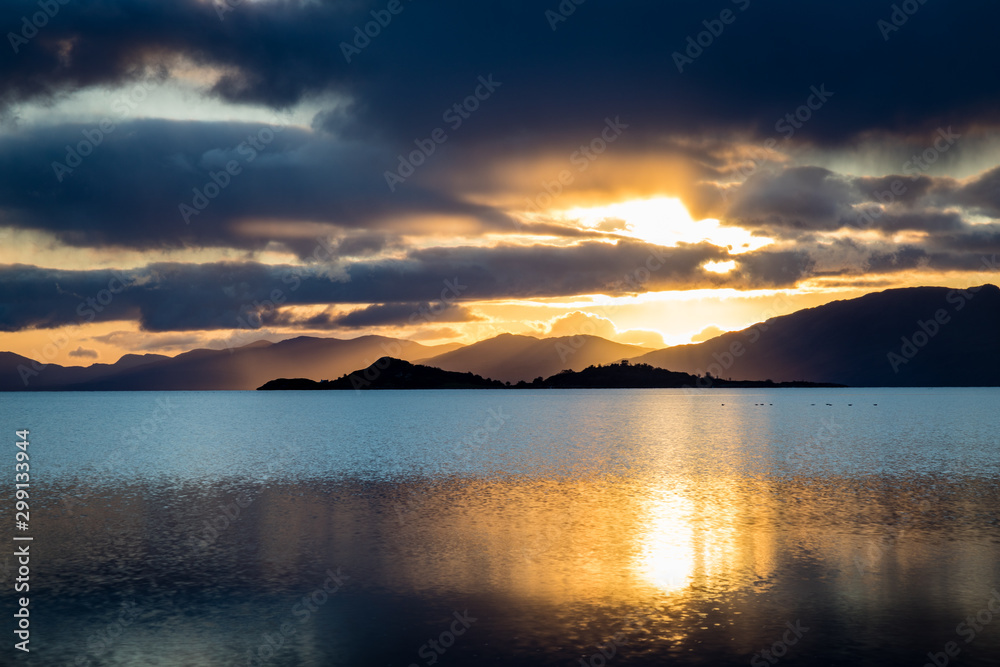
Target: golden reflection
x: 689, y: 534
x: 667, y: 556
x: 548, y: 557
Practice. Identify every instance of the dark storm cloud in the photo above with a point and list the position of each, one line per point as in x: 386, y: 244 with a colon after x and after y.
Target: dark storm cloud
x: 606, y: 58
x: 793, y: 202
x: 375, y: 315
x: 129, y: 190
x: 912, y: 257
x: 177, y: 297
x: 983, y: 240
x: 981, y: 194
x: 903, y: 189
x: 805, y: 198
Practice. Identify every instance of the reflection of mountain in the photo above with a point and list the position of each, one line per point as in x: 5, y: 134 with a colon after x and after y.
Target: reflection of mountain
x: 245, y: 367
x: 511, y: 358
x: 850, y: 342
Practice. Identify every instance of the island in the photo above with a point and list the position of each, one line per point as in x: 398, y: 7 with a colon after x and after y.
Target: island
x: 392, y: 373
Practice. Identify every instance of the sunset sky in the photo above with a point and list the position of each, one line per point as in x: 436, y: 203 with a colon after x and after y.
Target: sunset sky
x: 188, y: 173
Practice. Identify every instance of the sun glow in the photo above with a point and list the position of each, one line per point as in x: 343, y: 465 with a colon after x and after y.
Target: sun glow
x: 664, y: 221
x: 667, y: 557
x: 720, y: 267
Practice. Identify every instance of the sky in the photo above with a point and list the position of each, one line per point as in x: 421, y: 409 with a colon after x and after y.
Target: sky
x: 202, y: 173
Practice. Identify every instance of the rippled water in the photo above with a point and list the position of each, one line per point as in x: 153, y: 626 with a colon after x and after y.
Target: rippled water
x: 536, y: 527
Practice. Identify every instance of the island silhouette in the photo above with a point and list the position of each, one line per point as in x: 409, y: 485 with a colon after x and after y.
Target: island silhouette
x: 391, y: 373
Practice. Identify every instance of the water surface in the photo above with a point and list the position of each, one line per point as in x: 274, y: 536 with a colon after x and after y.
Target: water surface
x: 535, y: 527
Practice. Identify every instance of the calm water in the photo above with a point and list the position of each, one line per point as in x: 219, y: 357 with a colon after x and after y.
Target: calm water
x: 536, y: 527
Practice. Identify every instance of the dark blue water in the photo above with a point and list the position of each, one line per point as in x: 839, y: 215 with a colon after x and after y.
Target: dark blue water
x: 538, y: 527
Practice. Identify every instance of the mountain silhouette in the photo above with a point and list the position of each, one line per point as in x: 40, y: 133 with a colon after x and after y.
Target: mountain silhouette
x: 512, y: 357
x: 245, y: 367
x: 918, y: 336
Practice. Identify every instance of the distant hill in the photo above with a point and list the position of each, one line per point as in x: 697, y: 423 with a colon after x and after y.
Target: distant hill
x: 244, y: 367
x: 625, y: 375
x: 920, y: 336
x: 511, y: 357
x: 389, y: 373
x: 15, y: 369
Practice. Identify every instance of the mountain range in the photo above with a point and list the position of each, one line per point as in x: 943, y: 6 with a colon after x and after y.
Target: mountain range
x: 920, y: 336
